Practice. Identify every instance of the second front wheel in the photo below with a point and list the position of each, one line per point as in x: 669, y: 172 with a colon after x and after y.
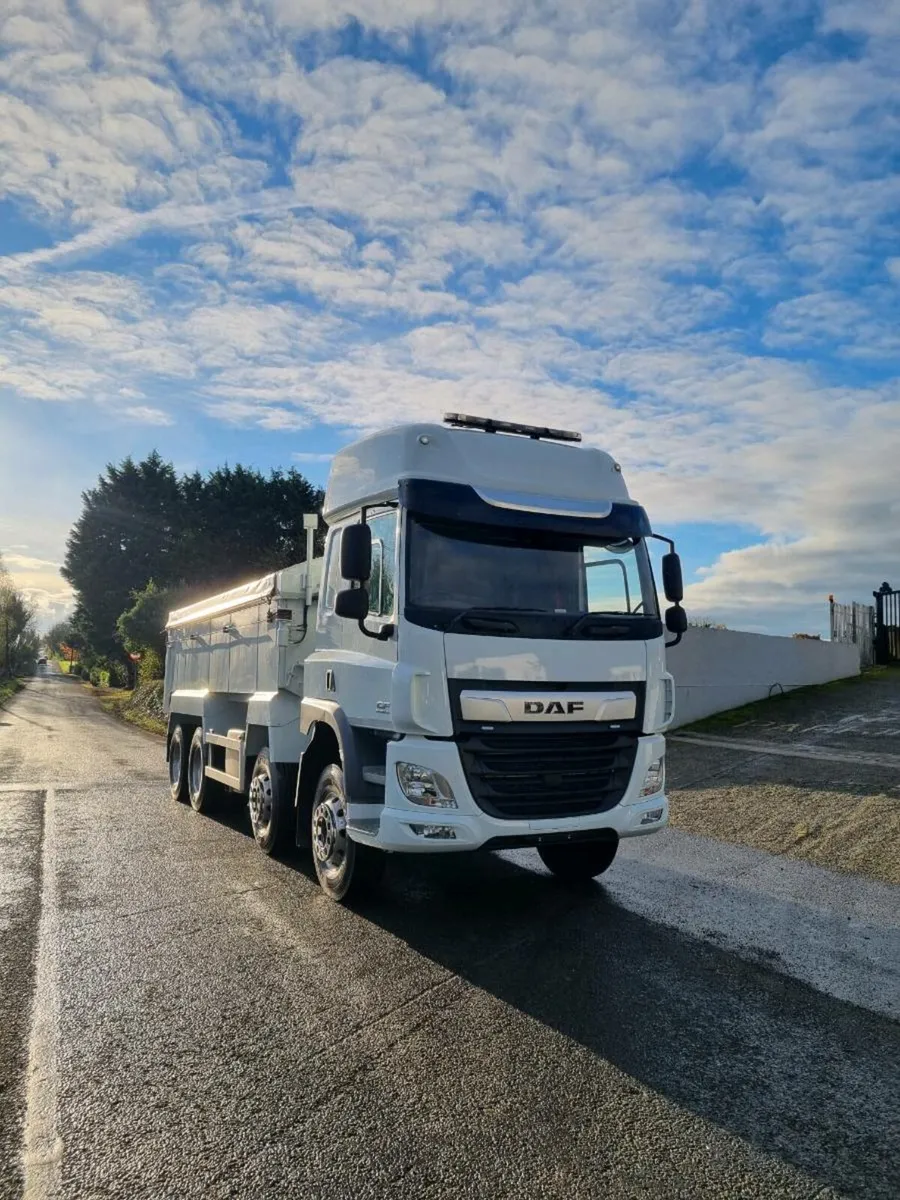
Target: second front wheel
x: 342, y: 865
x: 576, y: 862
x: 270, y: 801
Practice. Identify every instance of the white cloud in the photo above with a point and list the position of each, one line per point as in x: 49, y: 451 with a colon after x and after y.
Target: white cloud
x: 626, y: 218
x: 22, y: 562
x: 143, y: 414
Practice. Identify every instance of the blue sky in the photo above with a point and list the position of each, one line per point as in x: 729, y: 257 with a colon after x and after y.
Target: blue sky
x: 249, y: 232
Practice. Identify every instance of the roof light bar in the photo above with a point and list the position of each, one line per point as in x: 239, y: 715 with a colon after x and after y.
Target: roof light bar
x: 489, y: 425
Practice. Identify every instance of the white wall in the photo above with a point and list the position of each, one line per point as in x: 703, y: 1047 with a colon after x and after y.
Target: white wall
x: 718, y: 669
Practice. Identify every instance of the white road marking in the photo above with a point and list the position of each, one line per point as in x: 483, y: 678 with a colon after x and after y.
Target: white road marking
x: 790, y: 750
x: 43, y: 1147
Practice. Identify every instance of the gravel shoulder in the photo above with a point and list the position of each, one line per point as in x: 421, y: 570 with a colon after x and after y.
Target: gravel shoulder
x: 841, y: 813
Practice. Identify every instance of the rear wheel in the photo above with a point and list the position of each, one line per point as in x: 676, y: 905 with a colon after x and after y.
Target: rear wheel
x: 342, y: 865
x: 203, y: 792
x: 577, y: 861
x: 178, y: 756
x: 270, y: 802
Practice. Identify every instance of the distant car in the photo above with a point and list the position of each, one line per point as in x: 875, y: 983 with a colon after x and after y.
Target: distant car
x: 42, y: 661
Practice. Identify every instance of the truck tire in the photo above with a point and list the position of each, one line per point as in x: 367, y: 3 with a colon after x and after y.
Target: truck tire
x: 578, y: 861
x: 203, y: 792
x: 345, y: 869
x: 271, y: 802
x: 178, y: 759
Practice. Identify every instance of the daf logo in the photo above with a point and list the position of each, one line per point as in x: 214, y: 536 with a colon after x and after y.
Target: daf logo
x: 553, y: 708
x: 499, y: 706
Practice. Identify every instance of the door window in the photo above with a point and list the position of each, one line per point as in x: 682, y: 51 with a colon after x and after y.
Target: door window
x: 383, y: 580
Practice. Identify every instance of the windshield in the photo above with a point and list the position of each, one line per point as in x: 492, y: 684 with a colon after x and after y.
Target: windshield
x: 459, y: 569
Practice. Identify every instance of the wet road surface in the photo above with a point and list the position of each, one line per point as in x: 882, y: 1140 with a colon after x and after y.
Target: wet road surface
x: 183, y: 1017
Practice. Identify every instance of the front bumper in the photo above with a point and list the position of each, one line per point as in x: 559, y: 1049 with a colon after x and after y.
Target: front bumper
x: 404, y: 827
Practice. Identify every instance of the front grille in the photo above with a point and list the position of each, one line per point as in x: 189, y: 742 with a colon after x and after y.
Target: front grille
x: 540, y: 775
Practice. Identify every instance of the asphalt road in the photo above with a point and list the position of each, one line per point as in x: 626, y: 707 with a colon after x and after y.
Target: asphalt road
x: 202, y: 1021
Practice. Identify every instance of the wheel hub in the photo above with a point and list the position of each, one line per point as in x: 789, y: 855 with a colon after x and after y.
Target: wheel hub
x: 260, y: 801
x: 329, y: 833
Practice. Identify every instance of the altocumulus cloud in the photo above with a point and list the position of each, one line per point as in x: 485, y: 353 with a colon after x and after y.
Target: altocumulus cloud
x: 672, y: 225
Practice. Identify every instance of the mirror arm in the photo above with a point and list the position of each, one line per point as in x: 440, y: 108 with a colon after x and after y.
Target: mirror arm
x: 384, y: 634
x: 675, y: 641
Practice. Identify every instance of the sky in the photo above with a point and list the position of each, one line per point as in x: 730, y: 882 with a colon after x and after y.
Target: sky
x: 250, y: 231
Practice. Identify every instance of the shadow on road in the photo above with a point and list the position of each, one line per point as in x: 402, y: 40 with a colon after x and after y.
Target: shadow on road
x: 803, y: 1077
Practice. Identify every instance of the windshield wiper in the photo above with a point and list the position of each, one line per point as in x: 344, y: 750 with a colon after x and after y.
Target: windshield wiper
x: 586, y: 620
x: 477, y: 615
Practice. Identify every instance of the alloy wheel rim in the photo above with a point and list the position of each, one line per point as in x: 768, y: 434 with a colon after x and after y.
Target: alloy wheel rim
x: 196, y: 769
x: 175, y: 757
x: 260, y: 800
x: 329, y: 834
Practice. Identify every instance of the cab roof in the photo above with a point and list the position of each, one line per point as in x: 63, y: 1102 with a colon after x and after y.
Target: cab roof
x: 370, y: 470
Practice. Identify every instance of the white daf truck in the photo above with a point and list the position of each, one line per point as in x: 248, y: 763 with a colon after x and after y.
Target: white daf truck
x: 478, y: 662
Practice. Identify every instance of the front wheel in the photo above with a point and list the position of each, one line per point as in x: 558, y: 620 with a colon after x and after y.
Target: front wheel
x: 578, y: 861
x: 342, y: 865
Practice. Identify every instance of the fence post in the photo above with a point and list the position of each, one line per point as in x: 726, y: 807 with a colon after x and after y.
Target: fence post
x: 881, y: 647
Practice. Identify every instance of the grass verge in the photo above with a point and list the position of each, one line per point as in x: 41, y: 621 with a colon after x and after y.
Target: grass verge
x: 785, y: 705
x: 8, y: 688
x: 140, y: 707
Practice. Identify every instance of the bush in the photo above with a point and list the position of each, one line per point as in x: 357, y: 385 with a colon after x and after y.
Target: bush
x: 118, y: 675
x: 75, y: 669
x: 152, y: 665
x: 99, y: 677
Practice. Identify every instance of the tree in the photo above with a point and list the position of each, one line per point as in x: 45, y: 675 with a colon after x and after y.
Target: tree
x: 19, y: 640
x: 241, y: 523
x: 128, y: 533
x: 142, y: 628
x: 60, y: 639
x: 144, y: 532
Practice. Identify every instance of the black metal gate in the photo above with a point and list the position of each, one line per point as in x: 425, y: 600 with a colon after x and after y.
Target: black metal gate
x: 887, y: 625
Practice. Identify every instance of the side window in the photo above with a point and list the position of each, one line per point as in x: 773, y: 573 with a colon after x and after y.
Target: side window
x: 383, y: 580
x: 613, y: 579
x: 332, y: 572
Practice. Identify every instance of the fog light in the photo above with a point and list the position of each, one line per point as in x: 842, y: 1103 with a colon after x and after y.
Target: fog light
x: 440, y: 833
x: 652, y: 816
x: 655, y: 778
x: 421, y: 785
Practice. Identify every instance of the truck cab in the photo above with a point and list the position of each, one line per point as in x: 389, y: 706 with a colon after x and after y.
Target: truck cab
x: 489, y: 666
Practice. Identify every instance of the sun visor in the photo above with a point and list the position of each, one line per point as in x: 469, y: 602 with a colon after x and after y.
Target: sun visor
x: 604, y: 519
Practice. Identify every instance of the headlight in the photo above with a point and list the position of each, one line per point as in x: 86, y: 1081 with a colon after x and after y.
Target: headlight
x: 655, y: 779
x: 421, y: 785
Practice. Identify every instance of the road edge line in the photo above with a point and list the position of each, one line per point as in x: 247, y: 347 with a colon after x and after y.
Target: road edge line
x: 42, y: 1147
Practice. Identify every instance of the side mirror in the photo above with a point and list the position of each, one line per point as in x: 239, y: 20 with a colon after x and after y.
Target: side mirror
x: 352, y: 603
x: 676, y: 620
x: 356, y: 554
x: 673, y: 585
